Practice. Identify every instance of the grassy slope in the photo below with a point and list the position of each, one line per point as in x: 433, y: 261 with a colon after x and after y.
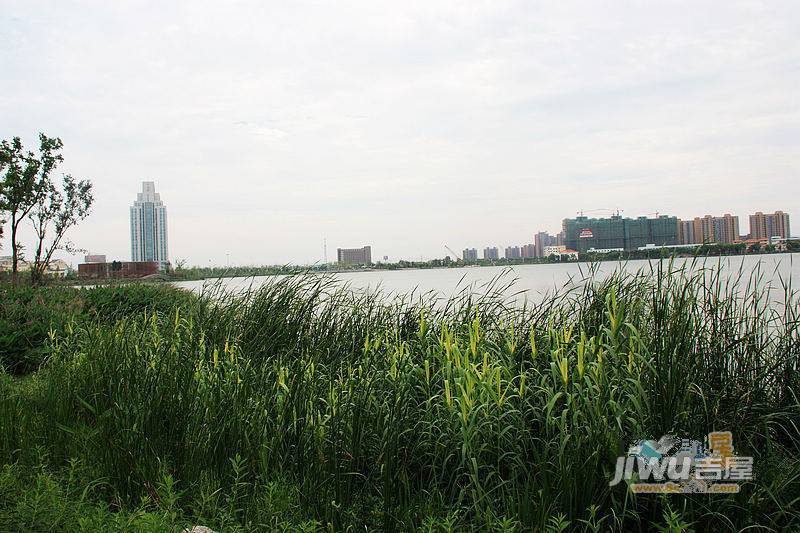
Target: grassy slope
x: 301, y: 405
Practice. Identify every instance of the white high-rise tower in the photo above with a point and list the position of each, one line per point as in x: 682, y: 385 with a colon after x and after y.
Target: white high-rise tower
x: 149, y: 226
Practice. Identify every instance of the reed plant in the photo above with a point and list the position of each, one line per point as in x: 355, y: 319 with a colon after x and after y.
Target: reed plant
x: 304, y: 403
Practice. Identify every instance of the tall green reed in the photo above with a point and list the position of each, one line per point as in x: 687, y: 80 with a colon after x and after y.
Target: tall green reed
x: 383, y: 413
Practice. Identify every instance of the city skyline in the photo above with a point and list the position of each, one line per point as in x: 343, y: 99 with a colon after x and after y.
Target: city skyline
x: 148, y: 200
x: 272, y: 127
x: 617, y: 233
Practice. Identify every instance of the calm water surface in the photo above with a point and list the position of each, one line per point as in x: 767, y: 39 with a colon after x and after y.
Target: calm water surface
x: 529, y: 281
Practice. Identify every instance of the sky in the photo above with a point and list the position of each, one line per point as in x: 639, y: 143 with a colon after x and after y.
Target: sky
x: 271, y: 127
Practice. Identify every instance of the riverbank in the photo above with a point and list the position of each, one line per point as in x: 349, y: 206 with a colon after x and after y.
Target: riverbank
x: 305, y: 406
x: 205, y: 273
x: 705, y: 252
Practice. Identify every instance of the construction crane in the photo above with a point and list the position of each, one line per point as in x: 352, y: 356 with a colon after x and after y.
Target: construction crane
x: 615, y: 212
x: 455, y: 255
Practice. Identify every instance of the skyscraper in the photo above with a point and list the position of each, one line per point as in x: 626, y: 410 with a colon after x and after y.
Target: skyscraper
x: 149, y: 226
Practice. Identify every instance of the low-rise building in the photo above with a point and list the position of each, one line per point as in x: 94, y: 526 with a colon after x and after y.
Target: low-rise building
x: 118, y: 269
x: 554, y: 249
x: 605, y: 250
x: 6, y: 264
x: 57, y: 268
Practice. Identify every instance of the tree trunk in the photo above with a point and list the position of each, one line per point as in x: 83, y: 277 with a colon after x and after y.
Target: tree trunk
x: 36, y: 276
x: 14, y: 247
x: 39, y: 264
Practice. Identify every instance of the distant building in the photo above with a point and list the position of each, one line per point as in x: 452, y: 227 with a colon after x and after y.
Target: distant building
x: 726, y: 229
x: 605, y: 250
x: 582, y: 233
x: 765, y: 226
x: 703, y: 229
x: 541, y: 240
x: 491, y: 253
x: 529, y: 251
x: 553, y: 249
x: 513, y: 252
x: 94, y: 258
x: 686, y: 232
x: 663, y: 230
x: 149, y: 227
x: 6, y: 264
x: 118, y: 269
x: 667, y: 246
x: 561, y: 252
x: 469, y: 254
x: 354, y: 256
x: 57, y: 268
x: 710, y: 229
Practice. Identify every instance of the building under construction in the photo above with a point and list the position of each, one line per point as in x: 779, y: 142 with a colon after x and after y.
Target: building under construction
x: 617, y: 233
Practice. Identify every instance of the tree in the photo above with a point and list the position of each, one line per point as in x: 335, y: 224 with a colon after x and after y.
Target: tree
x: 24, y: 182
x: 4, y: 159
x: 57, y: 210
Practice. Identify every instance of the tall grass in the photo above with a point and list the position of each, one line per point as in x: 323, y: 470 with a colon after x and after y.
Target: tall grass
x: 29, y: 314
x: 417, y: 413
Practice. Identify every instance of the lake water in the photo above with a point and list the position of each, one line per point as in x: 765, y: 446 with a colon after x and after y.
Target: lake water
x: 529, y: 281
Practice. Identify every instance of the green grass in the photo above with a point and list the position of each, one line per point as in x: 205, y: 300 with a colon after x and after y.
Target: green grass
x: 304, y: 405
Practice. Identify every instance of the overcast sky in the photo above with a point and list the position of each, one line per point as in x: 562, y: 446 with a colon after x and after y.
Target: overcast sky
x: 407, y: 125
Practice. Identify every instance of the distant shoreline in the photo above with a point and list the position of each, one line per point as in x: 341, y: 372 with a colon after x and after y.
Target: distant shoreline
x: 460, y: 264
x: 248, y: 272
